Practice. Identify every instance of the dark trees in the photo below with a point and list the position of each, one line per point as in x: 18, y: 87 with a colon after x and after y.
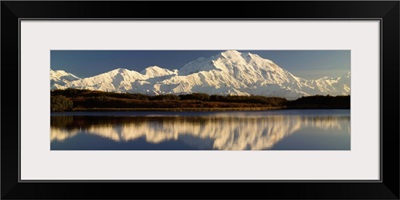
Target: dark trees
x: 60, y: 103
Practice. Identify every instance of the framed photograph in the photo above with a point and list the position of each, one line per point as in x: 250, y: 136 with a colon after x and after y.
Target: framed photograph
x: 301, y: 98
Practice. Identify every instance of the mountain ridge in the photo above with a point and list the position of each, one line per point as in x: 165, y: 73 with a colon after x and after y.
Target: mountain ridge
x: 227, y: 73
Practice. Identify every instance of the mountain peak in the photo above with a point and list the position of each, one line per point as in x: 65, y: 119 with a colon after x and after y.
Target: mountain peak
x: 153, y: 69
x: 251, y: 55
x: 119, y: 70
x: 231, y: 53
x: 156, y: 71
x: 231, y: 62
x: 58, y: 78
x: 61, y: 73
x: 242, y: 56
x: 59, y: 70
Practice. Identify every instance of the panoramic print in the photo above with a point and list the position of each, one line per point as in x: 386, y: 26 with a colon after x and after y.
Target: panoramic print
x: 200, y: 99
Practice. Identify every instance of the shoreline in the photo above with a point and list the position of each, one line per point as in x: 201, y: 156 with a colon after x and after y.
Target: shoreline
x: 180, y: 109
x: 195, y: 109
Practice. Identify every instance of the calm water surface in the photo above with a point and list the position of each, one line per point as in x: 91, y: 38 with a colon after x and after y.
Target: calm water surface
x: 244, y: 130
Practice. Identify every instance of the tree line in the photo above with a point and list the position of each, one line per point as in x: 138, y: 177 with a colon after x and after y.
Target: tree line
x: 69, y: 99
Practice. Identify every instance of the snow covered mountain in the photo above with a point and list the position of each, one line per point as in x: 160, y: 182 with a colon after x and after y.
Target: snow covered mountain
x: 230, y: 72
x: 58, y: 78
x: 156, y: 71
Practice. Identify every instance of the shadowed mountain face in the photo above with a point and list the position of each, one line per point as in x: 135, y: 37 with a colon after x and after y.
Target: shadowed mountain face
x: 215, y: 131
x: 227, y: 73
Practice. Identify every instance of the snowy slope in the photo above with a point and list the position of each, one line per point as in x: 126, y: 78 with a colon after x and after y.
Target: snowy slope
x: 156, y: 71
x: 117, y: 80
x: 58, y: 78
x: 229, y: 72
x: 331, y: 86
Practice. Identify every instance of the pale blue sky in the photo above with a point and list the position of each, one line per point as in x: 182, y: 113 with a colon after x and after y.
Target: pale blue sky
x: 308, y: 64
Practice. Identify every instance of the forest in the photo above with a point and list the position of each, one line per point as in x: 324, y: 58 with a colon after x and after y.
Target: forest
x: 87, y: 100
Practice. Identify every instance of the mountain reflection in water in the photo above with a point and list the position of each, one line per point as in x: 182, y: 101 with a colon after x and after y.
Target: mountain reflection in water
x: 223, y: 131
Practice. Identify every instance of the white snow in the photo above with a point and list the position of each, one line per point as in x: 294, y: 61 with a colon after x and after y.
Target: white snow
x: 58, y: 78
x: 230, y: 72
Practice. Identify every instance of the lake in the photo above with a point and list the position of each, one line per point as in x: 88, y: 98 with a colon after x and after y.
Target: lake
x: 232, y: 130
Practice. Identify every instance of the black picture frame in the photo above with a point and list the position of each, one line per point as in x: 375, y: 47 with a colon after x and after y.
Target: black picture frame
x: 386, y: 11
